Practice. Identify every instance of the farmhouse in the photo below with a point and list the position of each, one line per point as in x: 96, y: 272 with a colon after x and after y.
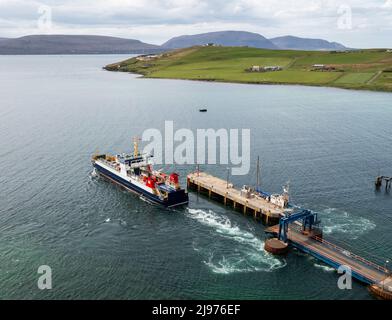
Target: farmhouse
x: 322, y: 67
x: 272, y: 68
x: 264, y: 69
x: 147, y: 57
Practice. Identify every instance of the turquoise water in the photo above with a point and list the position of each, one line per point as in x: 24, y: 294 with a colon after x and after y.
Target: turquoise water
x: 102, y: 242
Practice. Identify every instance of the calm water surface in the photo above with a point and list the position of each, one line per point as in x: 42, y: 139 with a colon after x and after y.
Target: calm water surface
x: 101, y: 242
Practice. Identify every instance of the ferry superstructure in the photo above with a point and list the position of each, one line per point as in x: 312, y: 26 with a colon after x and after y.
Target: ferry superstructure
x: 135, y: 173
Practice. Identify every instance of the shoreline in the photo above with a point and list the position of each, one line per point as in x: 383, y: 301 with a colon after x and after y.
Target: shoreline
x: 369, y: 70
x: 143, y: 76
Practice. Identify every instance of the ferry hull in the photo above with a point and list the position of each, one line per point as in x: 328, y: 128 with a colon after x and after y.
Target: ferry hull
x: 174, y: 199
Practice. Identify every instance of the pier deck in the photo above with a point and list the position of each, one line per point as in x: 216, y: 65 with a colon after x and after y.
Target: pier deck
x: 363, y: 270
x: 218, y: 187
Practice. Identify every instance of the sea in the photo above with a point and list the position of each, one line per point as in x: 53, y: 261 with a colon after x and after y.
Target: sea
x: 101, y: 242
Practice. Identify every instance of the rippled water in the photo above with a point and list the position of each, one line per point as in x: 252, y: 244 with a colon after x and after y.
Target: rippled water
x: 102, y: 242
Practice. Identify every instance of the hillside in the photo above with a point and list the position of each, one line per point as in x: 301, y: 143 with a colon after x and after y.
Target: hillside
x: 249, y: 39
x: 296, y: 43
x: 68, y: 44
x: 223, y: 38
x: 361, y: 69
x: 86, y: 44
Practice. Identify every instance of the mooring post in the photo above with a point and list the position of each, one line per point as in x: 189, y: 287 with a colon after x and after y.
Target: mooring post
x: 378, y: 182
x: 228, y: 175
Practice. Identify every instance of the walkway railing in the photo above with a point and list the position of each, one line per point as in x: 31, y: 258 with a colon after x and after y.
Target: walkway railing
x: 345, y: 252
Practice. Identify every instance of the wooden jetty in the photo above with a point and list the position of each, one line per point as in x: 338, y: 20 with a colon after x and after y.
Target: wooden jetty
x: 245, y: 200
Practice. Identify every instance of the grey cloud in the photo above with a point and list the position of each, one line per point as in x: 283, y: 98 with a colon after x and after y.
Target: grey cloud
x: 304, y: 17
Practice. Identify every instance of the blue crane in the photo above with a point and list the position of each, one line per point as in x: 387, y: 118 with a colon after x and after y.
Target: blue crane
x: 308, y: 220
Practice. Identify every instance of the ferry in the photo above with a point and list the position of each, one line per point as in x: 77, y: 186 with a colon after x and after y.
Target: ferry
x: 135, y: 173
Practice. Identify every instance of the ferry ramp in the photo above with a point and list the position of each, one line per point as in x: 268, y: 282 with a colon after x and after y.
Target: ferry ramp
x: 335, y: 256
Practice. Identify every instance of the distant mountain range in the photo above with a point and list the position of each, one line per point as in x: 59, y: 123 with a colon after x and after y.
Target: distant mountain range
x: 243, y: 38
x: 223, y: 38
x: 68, y: 44
x: 85, y: 44
x: 296, y: 43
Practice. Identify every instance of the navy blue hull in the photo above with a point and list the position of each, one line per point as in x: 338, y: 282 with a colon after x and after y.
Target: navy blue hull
x: 174, y: 198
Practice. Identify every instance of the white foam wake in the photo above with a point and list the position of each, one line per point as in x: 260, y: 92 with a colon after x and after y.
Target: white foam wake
x: 335, y: 221
x: 245, y: 254
x: 94, y: 173
x: 324, y: 267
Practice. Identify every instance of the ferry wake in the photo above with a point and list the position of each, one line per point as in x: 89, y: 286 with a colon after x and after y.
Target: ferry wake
x: 135, y: 173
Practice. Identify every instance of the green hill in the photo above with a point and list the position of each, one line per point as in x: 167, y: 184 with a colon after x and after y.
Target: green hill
x: 360, y: 69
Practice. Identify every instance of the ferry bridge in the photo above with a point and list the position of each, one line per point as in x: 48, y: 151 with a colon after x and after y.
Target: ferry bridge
x: 298, y: 230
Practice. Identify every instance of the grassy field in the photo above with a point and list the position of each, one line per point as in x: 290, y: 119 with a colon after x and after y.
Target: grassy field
x: 361, y: 69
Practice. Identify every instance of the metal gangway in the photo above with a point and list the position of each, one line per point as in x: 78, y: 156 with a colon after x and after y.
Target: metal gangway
x: 305, y: 237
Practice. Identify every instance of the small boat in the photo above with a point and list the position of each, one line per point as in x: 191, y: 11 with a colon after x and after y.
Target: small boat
x: 202, y: 110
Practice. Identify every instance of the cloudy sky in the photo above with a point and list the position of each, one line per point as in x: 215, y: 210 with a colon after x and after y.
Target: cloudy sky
x: 355, y: 23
